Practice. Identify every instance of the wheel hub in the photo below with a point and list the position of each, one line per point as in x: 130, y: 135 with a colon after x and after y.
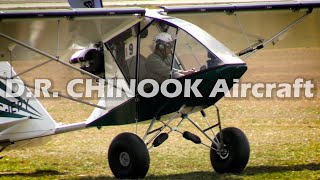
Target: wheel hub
x: 124, y: 159
x: 224, y: 153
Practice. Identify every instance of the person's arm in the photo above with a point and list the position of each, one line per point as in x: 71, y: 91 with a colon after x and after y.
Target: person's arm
x: 176, y: 73
x: 187, y: 72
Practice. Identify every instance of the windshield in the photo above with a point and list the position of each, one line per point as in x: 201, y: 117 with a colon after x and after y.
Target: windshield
x: 191, y: 54
x: 168, y: 51
x: 204, y: 39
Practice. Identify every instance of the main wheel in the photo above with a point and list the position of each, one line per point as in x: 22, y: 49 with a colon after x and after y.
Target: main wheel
x: 128, y: 156
x: 235, y: 153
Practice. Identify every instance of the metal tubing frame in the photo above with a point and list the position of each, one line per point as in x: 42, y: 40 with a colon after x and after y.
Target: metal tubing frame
x: 215, y: 140
x: 149, y: 129
x: 162, y: 128
x: 220, y: 128
x: 199, y: 128
x: 172, y: 129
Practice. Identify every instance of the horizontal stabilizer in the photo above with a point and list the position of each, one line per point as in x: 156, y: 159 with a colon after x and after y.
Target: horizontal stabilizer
x: 22, y: 116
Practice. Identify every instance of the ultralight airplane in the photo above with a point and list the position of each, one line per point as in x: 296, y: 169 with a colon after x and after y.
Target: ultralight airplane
x: 115, y: 43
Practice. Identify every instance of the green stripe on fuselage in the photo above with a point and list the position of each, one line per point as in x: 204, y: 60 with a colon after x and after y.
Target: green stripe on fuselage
x: 11, y: 115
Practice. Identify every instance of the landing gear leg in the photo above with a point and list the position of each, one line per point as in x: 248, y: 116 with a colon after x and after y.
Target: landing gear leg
x: 230, y: 149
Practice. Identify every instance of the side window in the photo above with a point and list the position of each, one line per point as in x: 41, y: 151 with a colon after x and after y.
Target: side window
x: 123, y: 49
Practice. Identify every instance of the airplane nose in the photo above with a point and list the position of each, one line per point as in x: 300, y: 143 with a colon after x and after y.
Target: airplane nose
x: 210, y: 77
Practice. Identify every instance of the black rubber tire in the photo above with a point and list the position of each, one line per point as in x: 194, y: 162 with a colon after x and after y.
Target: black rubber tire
x: 238, y: 148
x: 132, y: 146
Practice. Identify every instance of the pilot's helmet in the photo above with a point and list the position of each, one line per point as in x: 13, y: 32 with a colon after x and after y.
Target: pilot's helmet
x: 163, y: 40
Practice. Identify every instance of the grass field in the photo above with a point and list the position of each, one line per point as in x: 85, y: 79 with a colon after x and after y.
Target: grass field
x: 284, y: 134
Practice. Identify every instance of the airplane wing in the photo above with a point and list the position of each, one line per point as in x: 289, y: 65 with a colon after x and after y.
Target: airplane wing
x: 286, y: 24
x: 57, y: 32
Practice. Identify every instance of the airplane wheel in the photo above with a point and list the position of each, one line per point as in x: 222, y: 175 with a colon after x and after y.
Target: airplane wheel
x: 235, y: 154
x: 128, y: 156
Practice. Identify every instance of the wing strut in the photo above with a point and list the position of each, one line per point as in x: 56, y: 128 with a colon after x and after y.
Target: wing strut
x: 260, y: 44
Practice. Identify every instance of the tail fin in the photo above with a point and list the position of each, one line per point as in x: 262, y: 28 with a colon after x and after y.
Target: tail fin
x: 22, y: 116
x: 85, y: 3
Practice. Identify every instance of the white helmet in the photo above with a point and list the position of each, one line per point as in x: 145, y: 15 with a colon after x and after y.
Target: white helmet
x: 164, y: 39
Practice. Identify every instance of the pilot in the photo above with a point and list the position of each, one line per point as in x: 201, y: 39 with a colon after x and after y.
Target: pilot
x: 158, y: 64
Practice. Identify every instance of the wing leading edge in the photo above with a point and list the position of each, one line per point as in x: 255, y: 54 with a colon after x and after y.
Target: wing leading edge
x: 69, y: 13
x: 253, y: 6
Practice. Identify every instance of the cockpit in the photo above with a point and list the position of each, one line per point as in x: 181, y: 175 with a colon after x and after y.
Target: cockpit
x: 163, y: 48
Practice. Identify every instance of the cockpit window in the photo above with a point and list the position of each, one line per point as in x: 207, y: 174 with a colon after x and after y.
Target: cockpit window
x: 123, y: 49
